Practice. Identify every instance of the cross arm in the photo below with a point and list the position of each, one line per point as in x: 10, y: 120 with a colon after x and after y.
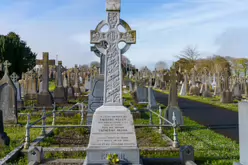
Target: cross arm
x: 51, y: 62
x: 96, y: 37
x: 129, y: 37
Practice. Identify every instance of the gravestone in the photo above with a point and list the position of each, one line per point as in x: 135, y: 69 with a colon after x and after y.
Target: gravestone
x: 45, y: 97
x: 95, y: 97
x: 14, y: 77
x: 151, y: 99
x: 112, y: 118
x: 142, y: 95
x: 4, y: 139
x: 8, y: 103
x: 226, y: 94
x: 243, y: 132
x: 76, y: 87
x: 173, y: 107
x: 186, y: 154
x: 35, y: 155
x: 59, y: 92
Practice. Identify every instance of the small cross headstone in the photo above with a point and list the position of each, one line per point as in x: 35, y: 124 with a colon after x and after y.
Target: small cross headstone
x: 59, y: 92
x: 8, y: 103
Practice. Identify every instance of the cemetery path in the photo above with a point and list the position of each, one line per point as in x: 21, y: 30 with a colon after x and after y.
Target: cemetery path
x: 222, y: 121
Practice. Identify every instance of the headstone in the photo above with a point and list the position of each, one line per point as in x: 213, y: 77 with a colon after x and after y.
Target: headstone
x: 186, y: 154
x: 45, y: 97
x: 4, y: 139
x: 142, y: 95
x: 151, y: 99
x: 14, y: 77
x: 173, y: 107
x: 243, y: 132
x: 95, y: 97
x: 35, y: 155
x: 59, y: 92
x: 113, y: 119
x: 30, y: 86
x: 76, y: 88
x: 226, y: 94
x: 8, y: 103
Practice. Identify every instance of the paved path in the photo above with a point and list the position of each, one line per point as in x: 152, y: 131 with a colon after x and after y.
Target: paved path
x: 207, y: 115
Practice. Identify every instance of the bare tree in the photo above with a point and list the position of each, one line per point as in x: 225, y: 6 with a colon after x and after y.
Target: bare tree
x: 190, y: 53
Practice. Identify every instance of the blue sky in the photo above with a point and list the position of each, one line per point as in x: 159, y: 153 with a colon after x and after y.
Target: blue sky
x: 164, y: 27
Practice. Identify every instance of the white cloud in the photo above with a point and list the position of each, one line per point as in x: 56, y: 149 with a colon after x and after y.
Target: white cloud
x: 162, y: 31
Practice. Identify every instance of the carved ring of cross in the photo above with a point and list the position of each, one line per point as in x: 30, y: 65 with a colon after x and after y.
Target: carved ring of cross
x: 102, y: 46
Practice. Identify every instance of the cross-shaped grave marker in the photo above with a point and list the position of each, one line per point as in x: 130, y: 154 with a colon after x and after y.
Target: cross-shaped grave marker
x: 112, y: 74
x: 44, y: 97
x: 14, y: 77
x: 101, y: 145
x: 6, y: 65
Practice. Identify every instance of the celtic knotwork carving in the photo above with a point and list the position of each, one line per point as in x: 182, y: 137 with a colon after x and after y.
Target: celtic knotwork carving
x: 113, y: 19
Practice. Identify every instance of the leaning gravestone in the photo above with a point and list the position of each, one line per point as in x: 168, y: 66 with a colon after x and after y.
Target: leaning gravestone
x: 8, y: 103
x: 112, y: 128
x: 243, y: 133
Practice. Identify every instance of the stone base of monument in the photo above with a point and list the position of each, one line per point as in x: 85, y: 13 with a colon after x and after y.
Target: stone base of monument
x: 178, y: 113
x: 44, y: 99
x: 226, y: 97
x: 60, y: 95
x: 206, y: 94
x: 112, y: 132
x: 4, y: 139
x: 20, y: 104
x: 30, y: 97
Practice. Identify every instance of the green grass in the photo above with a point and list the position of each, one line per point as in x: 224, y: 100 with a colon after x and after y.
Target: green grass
x: 212, y: 101
x: 17, y: 136
x: 210, y: 148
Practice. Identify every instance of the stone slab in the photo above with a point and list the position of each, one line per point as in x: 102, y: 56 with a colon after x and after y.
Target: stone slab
x: 112, y: 131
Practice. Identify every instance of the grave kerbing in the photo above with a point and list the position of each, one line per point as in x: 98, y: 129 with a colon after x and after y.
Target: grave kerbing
x: 112, y: 128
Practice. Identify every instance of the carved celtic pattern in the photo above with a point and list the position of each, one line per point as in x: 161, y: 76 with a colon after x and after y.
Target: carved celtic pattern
x: 113, y: 36
x: 113, y: 19
x: 128, y: 37
x: 97, y: 37
x: 113, y: 75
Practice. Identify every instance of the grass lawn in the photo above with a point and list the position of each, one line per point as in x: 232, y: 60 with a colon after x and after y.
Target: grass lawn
x: 210, y: 148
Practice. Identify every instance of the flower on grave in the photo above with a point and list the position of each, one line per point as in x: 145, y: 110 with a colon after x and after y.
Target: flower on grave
x: 113, y: 159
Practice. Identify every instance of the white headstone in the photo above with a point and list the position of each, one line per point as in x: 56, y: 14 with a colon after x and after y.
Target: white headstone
x: 243, y: 132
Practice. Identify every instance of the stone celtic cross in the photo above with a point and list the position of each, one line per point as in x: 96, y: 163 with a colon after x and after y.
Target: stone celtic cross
x: 14, y: 77
x: 112, y: 74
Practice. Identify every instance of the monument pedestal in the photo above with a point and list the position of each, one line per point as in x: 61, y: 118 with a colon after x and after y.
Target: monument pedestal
x: 45, y: 99
x: 60, y: 95
x: 112, y: 132
x: 178, y: 113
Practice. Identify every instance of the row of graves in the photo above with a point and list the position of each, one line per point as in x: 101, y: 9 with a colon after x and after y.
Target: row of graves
x: 111, y: 136
x: 222, y: 84
x: 105, y: 131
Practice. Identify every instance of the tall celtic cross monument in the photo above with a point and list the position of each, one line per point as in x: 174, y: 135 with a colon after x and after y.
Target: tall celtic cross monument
x: 112, y: 129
